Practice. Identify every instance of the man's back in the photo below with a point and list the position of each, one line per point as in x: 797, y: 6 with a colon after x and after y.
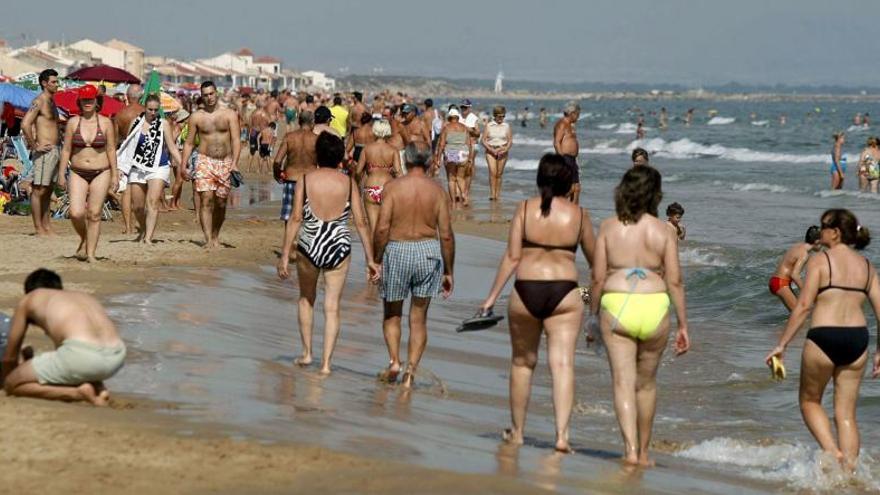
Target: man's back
x: 417, y: 203
x: 125, y: 118
x: 301, y: 148
x: 70, y: 315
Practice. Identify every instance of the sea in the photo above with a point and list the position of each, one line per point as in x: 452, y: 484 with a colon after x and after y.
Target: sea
x: 221, y: 342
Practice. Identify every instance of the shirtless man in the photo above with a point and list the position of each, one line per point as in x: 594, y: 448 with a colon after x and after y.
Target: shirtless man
x: 413, y: 216
x: 414, y: 129
x: 273, y: 108
x: 566, y: 144
x: 88, y: 349
x: 428, y: 117
x: 123, y: 121
x: 40, y: 127
x: 357, y: 111
x: 218, y: 153
x: 396, y: 138
x: 791, y: 265
x: 297, y: 153
x: 259, y: 121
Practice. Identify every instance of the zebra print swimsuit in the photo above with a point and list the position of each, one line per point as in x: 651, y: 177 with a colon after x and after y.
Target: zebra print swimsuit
x: 325, y: 244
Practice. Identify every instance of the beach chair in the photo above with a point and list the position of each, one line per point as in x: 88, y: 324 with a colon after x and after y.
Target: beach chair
x: 24, y: 156
x: 63, y: 210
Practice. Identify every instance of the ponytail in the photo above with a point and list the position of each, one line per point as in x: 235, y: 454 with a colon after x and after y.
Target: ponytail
x: 863, y: 238
x: 546, y: 200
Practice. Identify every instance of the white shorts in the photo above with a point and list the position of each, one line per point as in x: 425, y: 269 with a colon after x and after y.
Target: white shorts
x: 141, y: 176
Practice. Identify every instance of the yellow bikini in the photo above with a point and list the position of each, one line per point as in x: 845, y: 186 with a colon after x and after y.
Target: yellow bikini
x: 639, y: 315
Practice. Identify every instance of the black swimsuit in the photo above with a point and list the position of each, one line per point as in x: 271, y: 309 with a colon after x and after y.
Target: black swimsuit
x: 542, y: 296
x: 842, y: 345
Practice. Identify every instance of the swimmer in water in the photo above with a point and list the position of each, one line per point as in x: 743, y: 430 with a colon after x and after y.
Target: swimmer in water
x: 674, y: 212
x: 838, y: 161
x: 790, y: 266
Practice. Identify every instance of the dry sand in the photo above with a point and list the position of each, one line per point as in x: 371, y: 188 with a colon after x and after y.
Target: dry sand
x: 55, y: 448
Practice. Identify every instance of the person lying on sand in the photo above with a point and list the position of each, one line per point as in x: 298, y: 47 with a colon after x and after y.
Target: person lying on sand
x: 88, y: 348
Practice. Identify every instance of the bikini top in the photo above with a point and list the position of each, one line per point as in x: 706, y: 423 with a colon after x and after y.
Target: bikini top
x: 530, y: 244
x: 864, y: 289
x: 77, y: 141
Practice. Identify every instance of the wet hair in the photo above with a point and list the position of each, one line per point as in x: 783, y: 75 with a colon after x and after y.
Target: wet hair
x: 417, y: 155
x: 381, y: 128
x: 153, y: 97
x: 330, y: 150
x: 207, y: 84
x: 337, y: 100
x: 812, y: 234
x: 366, y: 118
x: 42, y: 279
x: 499, y: 110
x: 674, y: 209
x: 45, y: 75
x: 639, y: 192
x: 873, y: 141
x: 306, y: 117
x: 851, y: 232
x: 554, y: 179
x: 640, y: 152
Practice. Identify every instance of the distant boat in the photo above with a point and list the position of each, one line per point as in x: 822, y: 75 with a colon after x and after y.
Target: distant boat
x: 499, y: 88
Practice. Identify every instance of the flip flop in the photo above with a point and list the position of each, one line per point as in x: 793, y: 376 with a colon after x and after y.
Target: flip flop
x: 777, y: 369
x: 480, y: 321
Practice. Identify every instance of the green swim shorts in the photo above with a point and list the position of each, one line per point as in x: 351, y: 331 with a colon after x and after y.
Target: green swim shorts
x: 76, y: 362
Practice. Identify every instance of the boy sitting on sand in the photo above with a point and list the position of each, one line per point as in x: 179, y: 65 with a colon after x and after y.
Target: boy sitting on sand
x: 88, y: 348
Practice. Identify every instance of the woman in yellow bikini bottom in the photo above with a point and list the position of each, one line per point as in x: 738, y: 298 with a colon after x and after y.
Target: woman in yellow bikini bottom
x: 637, y: 315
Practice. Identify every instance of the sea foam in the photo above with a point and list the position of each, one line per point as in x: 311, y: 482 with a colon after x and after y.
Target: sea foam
x: 721, y: 120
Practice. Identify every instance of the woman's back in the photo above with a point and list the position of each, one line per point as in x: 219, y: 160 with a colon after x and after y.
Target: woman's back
x: 844, y: 280
x: 636, y: 245
x: 549, y: 243
x: 328, y: 193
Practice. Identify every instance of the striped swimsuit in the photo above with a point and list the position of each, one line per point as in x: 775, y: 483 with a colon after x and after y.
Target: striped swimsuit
x: 325, y: 244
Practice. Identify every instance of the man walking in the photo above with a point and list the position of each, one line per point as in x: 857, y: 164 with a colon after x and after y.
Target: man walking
x: 40, y: 127
x: 414, y: 244
x: 565, y: 143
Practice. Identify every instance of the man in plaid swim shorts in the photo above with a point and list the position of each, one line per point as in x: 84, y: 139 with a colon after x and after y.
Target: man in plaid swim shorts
x: 415, y: 245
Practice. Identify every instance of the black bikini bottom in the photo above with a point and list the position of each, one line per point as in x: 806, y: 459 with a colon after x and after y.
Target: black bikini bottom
x: 842, y: 345
x: 542, y: 296
x: 88, y: 175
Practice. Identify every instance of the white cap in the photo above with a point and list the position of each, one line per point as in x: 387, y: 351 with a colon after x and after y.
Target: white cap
x: 453, y: 112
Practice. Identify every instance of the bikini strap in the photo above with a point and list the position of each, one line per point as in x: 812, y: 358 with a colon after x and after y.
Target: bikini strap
x: 525, y: 203
x: 868, y: 282
x: 580, y: 227
x: 828, y: 259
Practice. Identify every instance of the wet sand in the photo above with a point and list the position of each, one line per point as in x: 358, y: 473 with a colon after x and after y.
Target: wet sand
x: 210, y: 377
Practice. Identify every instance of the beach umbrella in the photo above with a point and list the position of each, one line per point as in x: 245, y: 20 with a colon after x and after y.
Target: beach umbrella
x: 104, y: 73
x: 16, y: 96
x: 66, y: 100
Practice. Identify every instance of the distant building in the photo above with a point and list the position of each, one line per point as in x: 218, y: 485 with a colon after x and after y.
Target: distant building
x: 105, y: 54
x: 319, y: 80
x: 134, y: 56
x: 258, y: 72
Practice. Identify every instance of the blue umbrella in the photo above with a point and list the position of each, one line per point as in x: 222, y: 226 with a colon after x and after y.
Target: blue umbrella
x: 16, y: 96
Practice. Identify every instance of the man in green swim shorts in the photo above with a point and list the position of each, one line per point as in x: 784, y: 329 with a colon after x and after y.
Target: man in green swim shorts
x: 88, y: 349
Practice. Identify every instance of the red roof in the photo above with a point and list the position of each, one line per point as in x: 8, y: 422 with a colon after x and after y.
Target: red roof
x: 245, y: 52
x: 267, y: 60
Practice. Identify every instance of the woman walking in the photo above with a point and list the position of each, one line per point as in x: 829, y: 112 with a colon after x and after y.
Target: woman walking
x: 545, y: 233
x: 455, y: 147
x: 381, y: 162
x: 635, y: 272
x: 497, y: 141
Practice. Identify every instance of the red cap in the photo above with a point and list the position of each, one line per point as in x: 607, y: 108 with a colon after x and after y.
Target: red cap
x: 87, y: 92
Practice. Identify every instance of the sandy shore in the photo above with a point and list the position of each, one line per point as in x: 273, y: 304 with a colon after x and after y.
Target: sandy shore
x: 131, y: 447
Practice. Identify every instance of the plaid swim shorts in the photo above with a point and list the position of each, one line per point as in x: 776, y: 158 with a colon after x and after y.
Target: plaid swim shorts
x: 288, y: 192
x: 411, y: 267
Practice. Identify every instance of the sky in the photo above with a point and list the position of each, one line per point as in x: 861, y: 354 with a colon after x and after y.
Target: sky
x: 690, y: 42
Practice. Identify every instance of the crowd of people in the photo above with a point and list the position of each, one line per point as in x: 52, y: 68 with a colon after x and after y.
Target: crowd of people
x: 344, y: 163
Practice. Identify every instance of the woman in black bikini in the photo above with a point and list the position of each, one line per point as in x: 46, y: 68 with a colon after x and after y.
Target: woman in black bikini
x: 836, y: 347
x: 90, y: 148
x: 544, y: 235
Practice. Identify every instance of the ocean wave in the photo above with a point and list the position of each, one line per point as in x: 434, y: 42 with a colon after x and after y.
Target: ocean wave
x: 721, y: 121
x: 760, y: 123
x: 519, y: 164
x: 800, y: 466
x: 530, y: 141
x: 753, y: 186
x: 700, y: 257
x: 857, y: 128
x: 685, y: 149
x: 851, y: 194
x: 607, y: 127
x: 626, y: 128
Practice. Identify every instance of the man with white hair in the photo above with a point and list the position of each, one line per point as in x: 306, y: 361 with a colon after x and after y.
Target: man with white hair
x: 566, y: 144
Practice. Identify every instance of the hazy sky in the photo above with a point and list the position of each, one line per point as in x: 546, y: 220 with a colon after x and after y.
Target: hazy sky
x: 692, y: 42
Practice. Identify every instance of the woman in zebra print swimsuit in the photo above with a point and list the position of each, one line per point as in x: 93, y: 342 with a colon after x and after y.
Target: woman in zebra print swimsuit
x: 325, y: 244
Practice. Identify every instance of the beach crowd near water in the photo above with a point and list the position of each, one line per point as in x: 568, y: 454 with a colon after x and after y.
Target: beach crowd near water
x: 396, y: 170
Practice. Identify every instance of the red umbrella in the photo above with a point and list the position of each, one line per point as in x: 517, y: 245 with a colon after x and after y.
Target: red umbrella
x: 104, y: 73
x: 66, y: 100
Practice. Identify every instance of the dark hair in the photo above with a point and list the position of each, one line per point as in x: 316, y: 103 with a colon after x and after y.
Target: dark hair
x: 366, y: 118
x: 153, y: 97
x: 640, y: 152
x: 674, y: 209
x: 45, y: 75
x: 358, y: 95
x: 429, y: 102
x: 273, y: 93
x: 207, y: 84
x: 310, y: 99
x: 554, y: 179
x: 337, y: 100
x: 330, y: 150
x: 42, y: 279
x: 417, y: 155
x: 639, y: 192
x: 851, y: 232
x: 273, y: 125
x: 812, y: 234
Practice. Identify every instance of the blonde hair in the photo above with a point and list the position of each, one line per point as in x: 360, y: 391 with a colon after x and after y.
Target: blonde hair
x: 382, y: 129
x: 499, y: 110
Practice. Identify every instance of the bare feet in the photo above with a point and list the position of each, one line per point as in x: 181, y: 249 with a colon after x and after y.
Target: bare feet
x: 563, y: 447
x: 646, y: 461
x: 91, y: 259
x: 408, y: 379
x: 325, y: 371
x: 389, y: 375
x: 81, y: 251
x: 512, y: 437
x: 303, y: 361
x: 87, y: 392
x: 630, y: 460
